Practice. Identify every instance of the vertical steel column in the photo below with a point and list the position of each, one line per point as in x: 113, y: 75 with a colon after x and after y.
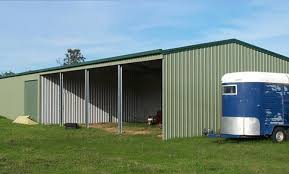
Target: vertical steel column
x: 119, y: 99
x: 61, y: 98
x: 86, y: 97
x: 40, y: 100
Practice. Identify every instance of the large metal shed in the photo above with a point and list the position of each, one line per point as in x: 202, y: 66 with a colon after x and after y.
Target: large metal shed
x: 183, y: 82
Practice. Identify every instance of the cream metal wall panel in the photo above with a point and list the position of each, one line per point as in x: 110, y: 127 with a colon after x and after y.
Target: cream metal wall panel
x: 191, y: 84
x: 12, y: 95
x: 73, y: 99
x: 50, y: 110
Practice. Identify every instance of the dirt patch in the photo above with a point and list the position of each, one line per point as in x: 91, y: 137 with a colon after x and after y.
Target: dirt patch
x: 130, y: 129
x: 137, y: 132
x: 160, y: 136
x: 105, y: 126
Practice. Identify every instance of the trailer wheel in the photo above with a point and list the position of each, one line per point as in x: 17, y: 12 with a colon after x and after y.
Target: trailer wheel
x: 279, y: 135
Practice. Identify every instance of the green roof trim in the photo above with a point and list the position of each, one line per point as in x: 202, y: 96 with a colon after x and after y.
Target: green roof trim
x: 155, y: 52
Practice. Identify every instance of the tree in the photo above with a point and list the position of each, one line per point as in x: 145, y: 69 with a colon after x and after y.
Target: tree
x: 8, y: 73
x: 73, y: 56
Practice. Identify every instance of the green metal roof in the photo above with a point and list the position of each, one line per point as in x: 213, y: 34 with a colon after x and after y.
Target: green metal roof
x: 154, y: 52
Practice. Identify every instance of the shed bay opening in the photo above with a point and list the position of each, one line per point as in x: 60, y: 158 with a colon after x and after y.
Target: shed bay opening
x: 141, y: 90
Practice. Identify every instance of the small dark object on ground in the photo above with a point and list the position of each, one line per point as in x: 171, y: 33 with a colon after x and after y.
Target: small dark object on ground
x: 155, y: 119
x: 207, y: 131
x: 71, y: 126
x: 151, y: 120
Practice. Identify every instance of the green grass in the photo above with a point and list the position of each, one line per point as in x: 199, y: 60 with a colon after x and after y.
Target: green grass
x: 52, y: 149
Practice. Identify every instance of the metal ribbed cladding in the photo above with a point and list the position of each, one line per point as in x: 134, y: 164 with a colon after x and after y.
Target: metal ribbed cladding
x: 129, y: 97
x: 192, y: 86
x: 73, y: 97
x: 50, y: 99
x: 137, y: 102
x: 103, y: 96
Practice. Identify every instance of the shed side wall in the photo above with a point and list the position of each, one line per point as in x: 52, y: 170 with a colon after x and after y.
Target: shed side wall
x: 192, y: 84
x: 12, y: 88
x: 12, y: 95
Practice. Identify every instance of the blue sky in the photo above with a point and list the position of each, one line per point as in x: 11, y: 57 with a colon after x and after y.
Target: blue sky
x: 33, y: 34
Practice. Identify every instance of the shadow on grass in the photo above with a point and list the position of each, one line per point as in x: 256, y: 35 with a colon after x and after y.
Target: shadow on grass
x: 242, y: 140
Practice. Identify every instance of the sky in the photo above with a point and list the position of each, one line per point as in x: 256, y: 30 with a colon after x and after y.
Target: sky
x: 35, y: 33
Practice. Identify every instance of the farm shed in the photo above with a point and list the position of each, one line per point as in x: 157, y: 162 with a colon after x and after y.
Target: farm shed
x: 183, y: 82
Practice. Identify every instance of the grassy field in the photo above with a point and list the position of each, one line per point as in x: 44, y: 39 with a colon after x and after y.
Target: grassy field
x: 52, y: 149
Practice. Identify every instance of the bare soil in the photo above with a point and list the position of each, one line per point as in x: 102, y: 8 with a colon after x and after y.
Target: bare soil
x: 130, y: 129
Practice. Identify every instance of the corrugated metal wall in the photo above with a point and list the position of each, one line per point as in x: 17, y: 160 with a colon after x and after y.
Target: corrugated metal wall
x: 50, y: 101
x: 103, y: 95
x: 191, y: 79
x: 130, y: 96
x: 12, y: 88
x: 141, y: 96
x: 142, y: 90
x: 73, y: 97
x: 149, y: 94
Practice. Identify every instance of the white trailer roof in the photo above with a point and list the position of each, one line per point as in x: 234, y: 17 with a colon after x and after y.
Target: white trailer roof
x: 256, y: 77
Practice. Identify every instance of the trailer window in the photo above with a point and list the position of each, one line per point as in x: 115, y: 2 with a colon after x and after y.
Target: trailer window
x: 229, y: 89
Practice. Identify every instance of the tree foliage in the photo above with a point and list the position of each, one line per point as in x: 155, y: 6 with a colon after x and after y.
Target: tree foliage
x: 5, y: 74
x: 73, y: 56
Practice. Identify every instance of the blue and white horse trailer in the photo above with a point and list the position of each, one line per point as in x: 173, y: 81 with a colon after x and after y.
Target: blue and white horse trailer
x: 255, y: 104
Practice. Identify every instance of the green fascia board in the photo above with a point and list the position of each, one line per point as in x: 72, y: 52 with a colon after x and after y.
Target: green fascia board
x: 98, y: 61
x: 155, y: 52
